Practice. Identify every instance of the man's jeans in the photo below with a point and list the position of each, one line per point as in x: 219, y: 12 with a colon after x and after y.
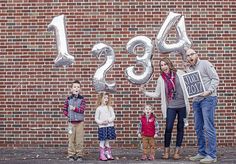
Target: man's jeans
x: 170, y: 119
x: 204, y: 112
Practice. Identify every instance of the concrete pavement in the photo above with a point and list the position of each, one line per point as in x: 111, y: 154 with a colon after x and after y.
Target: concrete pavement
x: 226, y: 155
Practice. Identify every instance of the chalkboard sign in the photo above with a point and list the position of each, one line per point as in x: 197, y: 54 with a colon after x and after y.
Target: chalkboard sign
x: 193, y: 84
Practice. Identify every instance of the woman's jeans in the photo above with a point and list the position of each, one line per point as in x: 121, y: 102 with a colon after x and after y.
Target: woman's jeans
x: 170, y: 119
x: 204, y: 112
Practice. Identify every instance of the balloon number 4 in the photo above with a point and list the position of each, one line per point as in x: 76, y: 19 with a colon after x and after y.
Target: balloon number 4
x: 65, y: 59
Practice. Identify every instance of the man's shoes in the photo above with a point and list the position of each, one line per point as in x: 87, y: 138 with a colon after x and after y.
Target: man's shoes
x: 197, y: 157
x: 79, y: 158
x: 71, y: 158
x: 208, y: 159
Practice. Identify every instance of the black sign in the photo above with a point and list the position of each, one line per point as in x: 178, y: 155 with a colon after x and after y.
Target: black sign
x: 193, y: 84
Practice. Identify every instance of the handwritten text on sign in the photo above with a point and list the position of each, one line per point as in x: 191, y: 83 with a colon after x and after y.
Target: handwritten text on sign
x: 193, y: 84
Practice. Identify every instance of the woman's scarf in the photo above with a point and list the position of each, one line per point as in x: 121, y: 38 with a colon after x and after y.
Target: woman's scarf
x: 169, y: 80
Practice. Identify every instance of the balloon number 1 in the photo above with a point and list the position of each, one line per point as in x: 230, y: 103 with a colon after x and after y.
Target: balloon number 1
x: 63, y: 58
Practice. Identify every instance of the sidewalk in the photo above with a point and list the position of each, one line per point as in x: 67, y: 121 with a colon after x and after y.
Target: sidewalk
x: 125, y: 156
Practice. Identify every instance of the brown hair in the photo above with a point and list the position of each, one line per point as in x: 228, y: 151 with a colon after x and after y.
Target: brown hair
x: 169, y: 63
x: 100, y: 96
x: 76, y: 82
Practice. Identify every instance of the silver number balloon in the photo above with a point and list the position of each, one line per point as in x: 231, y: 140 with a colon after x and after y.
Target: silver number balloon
x: 144, y: 60
x: 58, y: 25
x: 99, y: 82
x: 182, y: 38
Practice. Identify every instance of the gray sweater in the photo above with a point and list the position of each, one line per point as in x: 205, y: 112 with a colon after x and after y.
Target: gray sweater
x: 209, y: 77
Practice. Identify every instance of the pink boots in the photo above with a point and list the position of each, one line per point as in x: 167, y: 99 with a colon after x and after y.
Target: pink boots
x: 105, y: 154
x: 102, y: 156
x: 108, y: 153
x: 144, y: 157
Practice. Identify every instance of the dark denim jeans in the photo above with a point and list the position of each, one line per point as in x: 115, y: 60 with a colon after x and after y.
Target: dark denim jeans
x: 204, y: 112
x: 170, y: 119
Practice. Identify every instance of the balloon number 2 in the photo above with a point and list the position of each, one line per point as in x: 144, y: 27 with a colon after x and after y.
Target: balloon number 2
x: 99, y: 77
x: 101, y: 49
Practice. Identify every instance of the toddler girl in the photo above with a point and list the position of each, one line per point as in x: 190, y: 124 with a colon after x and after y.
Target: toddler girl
x: 105, y: 117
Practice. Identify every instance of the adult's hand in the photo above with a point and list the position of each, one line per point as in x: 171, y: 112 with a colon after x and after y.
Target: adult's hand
x: 206, y: 93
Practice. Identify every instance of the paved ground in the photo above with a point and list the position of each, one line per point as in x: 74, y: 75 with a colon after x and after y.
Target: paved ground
x: 124, y: 156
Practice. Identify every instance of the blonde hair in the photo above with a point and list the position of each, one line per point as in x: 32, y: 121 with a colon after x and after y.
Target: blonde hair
x: 100, y: 96
x: 148, y: 105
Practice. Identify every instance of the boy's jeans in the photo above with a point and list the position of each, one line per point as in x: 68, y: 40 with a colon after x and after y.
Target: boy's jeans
x: 204, y: 112
x: 76, y: 140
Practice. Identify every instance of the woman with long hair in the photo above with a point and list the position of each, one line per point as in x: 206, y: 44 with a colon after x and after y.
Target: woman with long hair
x: 174, y: 102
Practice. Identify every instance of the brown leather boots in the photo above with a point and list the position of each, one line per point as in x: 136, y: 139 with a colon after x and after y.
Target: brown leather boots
x: 166, y: 154
x: 177, y: 154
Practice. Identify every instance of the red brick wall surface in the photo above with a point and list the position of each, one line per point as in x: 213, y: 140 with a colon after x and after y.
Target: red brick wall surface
x: 33, y: 90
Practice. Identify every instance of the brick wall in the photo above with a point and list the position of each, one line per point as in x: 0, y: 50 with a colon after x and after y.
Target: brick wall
x: 33, y: 90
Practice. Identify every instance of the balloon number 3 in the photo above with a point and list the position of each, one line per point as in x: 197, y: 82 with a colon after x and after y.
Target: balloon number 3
x: 144, y: 60
x: 63, y: 58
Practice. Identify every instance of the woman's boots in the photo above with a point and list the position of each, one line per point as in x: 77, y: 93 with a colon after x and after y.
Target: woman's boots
x: 166, y: 153
x: 177, y: 154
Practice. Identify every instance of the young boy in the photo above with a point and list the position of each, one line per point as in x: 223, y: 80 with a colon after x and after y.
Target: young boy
x: 148, y: 129
x: 74, y: 109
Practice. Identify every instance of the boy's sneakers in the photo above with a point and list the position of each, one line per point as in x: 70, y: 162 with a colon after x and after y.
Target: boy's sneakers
x: 79, y: 159
x: 197, y: 157
x: 75, y: 158
x: 208, y: 159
